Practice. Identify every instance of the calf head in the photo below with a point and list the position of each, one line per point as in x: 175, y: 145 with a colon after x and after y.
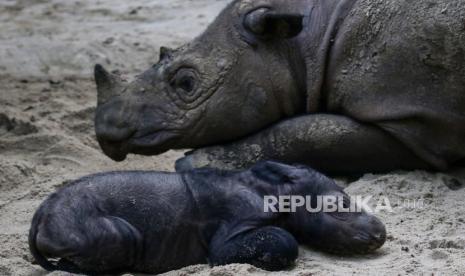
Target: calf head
x: 337, y: 231
x: 233, y: 80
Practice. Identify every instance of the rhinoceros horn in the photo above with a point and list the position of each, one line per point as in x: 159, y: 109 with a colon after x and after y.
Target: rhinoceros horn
x: 108, y: 85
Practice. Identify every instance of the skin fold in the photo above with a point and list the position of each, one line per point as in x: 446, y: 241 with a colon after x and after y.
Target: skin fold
x: 345, y: 86
x: 154, y: 222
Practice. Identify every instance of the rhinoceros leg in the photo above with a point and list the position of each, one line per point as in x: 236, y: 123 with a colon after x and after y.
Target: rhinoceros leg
x: 270, y: 248
x: 330, y: 143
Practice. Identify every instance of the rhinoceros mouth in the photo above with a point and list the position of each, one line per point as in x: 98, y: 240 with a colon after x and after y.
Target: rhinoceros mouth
x: 152, y: 144
x: 116, y: 151
x: 148, y: 144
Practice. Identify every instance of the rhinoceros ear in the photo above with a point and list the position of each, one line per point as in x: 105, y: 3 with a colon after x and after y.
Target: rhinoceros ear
x: 165, y: 52
x: 267, y: 24
x: 275, y: 172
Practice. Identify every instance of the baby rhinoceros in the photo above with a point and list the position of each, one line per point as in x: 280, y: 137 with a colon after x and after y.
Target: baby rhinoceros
x: 155, y: 222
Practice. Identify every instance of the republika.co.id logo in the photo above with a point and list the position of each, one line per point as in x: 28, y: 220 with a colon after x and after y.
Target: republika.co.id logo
x: 331, y: 203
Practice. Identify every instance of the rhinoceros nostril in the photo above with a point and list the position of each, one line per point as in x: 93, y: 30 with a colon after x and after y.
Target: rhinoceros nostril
x: 113, y: 126
x: 117, y: 121
x: 121, y: 124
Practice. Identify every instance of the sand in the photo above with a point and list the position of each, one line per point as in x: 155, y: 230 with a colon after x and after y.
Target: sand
x: 47, y: 104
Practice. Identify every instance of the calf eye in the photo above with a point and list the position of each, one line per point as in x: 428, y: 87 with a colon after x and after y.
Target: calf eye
x: 185, y: 81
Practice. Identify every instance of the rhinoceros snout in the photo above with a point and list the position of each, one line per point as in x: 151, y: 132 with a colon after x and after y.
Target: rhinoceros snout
x: 114, y: 142
x: 113, y: 131
x: 116, y: 151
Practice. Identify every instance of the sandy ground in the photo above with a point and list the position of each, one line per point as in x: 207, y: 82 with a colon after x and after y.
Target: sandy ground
x: 47, y: 101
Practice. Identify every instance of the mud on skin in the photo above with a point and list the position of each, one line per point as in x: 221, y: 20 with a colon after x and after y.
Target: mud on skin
x: 342, y: 85
x: 155, y: 222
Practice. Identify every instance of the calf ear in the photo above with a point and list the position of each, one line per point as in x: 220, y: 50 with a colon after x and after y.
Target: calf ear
x: 275, y: 173
x: 267, y: 24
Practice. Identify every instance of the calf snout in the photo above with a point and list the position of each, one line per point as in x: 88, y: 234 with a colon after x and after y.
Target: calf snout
x: 372, y: 234
x: 114, y: 129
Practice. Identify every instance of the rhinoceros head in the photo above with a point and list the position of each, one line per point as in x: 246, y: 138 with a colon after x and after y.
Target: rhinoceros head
x: 233, y: 80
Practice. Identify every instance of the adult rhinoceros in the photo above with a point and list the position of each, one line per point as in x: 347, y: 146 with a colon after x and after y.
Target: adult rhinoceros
x: 344, y: 86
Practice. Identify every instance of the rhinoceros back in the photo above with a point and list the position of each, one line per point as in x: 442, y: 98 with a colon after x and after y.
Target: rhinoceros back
x: 400, y: 64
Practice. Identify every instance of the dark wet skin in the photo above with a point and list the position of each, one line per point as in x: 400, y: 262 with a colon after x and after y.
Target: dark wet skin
x: 155, y: 222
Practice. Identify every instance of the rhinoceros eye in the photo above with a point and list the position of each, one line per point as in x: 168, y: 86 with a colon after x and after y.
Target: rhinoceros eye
x: 185, y: 81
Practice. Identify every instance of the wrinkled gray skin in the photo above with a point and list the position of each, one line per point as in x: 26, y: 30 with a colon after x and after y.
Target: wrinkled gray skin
x: 344, y: 86
x: 154, y: 222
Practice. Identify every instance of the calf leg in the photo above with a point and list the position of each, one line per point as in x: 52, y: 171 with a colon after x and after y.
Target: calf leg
x: 269, y: 248
x: 330, y: 143
x: 98, y: 245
